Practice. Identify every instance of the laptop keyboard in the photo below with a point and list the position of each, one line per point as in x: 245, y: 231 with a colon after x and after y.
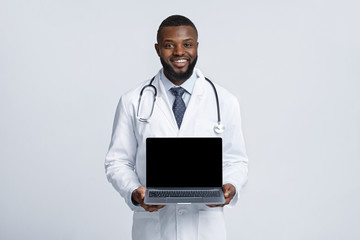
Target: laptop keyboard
x: 183, y: 193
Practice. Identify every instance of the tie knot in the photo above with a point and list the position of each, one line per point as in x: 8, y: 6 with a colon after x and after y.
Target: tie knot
x: 177, y: 91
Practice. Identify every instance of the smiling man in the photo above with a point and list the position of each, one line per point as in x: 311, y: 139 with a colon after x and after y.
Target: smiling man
x: 177, y: 48
x: 185, y: 106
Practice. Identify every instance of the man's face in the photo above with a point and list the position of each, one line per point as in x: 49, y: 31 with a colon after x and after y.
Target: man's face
x: 177, y: 49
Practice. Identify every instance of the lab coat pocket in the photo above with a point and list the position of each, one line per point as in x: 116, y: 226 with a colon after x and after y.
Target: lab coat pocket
x: 211, y: 225
x: 146, y: 226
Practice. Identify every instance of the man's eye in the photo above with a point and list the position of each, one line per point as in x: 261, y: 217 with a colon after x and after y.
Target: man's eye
x: 187, y: 45
x: 169, y: 45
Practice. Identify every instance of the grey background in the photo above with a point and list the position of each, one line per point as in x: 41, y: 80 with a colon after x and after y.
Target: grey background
x: 294, y: 65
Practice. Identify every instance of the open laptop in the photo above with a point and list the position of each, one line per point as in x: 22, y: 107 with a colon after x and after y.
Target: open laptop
x: 184, y: 170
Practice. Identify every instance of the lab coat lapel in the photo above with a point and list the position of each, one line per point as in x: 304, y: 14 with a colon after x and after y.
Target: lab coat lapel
x: 163, y: 102
x: 195, y: 103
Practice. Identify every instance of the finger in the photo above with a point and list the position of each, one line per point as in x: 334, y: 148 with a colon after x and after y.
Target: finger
x: 142, y: 192
x: 142, y: 195
x: 215, y: 205
x: 148, y: 208
x: 139, y: 194
x: 158, y: 206
x: 229, y: 193
x: 140, y: 199
x: 226, y: 191
x: 228, y: 199
x: 152, y: 208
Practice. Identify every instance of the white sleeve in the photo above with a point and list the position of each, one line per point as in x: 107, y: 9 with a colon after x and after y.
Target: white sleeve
x: 120, y: 159
x: 235, y: 161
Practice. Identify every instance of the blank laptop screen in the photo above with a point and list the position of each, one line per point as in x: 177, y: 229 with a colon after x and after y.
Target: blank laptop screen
x: 183, y: 162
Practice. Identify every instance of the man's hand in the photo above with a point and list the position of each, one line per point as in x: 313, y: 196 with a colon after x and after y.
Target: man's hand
x: 229, y: 193
x: 139, y: 195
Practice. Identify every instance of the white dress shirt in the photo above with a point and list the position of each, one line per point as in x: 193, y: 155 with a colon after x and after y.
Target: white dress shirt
x: 188, y: 85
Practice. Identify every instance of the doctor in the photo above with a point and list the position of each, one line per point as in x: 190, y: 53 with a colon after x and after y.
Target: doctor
x: 185, y: 106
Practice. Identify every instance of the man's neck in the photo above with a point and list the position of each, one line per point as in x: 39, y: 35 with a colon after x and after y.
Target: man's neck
x: 176, y: 82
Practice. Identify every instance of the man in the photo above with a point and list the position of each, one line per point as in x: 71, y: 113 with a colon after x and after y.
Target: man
x: 125, y: 162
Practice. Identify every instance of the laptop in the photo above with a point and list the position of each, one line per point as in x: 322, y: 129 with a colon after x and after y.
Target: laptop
x: 184, y: 170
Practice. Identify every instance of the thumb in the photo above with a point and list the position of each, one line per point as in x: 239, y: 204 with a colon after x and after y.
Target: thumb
x: 227, y: 192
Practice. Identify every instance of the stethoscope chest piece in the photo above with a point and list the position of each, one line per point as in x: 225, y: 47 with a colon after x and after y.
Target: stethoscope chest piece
x: 219, y: 128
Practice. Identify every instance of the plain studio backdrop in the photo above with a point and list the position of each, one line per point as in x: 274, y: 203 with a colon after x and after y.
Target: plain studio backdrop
x: 294, y: 66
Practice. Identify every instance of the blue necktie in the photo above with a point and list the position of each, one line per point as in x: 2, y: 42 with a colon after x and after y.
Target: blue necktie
x: 179, y: 104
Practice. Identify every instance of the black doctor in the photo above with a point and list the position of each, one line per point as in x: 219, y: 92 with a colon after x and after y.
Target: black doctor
x: 177, y: 47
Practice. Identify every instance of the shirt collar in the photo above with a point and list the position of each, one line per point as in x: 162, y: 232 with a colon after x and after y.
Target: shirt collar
x: 188, y: 85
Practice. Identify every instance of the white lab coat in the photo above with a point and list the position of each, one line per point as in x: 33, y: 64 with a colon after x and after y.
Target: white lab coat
x: 125, y: 160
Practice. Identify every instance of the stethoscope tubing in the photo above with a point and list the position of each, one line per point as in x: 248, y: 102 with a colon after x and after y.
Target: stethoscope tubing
x: 217, y: 99
x: 218, y: 128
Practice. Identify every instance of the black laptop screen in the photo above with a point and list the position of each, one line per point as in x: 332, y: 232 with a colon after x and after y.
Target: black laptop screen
x: 183, y: 162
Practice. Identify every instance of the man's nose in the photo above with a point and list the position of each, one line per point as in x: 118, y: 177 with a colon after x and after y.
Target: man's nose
x: 179, y: 50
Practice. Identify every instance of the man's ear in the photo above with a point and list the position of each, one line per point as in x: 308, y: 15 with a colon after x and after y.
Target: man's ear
x: 157, y: 49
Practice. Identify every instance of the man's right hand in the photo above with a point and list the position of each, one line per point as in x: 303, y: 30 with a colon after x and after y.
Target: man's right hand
x: 139, y: 195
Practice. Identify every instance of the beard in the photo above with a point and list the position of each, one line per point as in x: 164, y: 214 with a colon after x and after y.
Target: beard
x: 178, y: 76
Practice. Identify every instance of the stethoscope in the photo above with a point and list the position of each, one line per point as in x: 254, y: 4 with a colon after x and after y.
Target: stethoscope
x: 218, y: 128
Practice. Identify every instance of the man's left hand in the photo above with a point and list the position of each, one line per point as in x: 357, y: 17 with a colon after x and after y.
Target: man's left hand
x: 229, y: 193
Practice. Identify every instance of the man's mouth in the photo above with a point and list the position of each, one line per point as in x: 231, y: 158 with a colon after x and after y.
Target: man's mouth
x: 179, y: 63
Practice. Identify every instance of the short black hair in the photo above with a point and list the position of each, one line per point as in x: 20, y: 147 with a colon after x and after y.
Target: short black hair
x: 175, y: 21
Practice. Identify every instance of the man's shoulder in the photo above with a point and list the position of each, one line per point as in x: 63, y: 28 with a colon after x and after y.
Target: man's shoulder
x: 135, y: 91
x: 223, y: 92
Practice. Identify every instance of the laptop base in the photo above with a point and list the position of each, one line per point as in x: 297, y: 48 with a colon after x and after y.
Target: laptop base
x: 183, y: 200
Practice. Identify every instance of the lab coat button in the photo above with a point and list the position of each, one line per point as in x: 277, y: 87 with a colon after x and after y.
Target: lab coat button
x: 180, y: 212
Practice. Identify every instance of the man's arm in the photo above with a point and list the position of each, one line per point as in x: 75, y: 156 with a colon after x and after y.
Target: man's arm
x: 120, y: 159
x: 235, y: 161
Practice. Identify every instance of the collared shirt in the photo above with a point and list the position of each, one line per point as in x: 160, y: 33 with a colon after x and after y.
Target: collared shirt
x: 188, y: 85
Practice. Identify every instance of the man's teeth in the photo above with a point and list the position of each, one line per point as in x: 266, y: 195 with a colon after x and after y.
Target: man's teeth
x: 180, y: 61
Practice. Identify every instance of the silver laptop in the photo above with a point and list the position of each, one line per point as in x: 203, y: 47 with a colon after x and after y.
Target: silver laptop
x: 184, y: 170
